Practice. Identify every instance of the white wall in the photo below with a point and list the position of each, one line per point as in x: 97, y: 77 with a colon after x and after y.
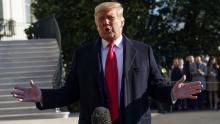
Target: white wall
x: 15, y: 9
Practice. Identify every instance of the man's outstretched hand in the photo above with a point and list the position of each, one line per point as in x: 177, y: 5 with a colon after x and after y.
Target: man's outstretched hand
x: 189, y: 90
x: 32, y: 94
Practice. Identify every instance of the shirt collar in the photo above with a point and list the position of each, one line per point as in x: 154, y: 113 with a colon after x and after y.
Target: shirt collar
x: 118, y: 42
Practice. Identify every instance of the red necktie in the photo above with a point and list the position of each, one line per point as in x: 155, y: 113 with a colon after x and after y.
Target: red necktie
x: 111, y: 77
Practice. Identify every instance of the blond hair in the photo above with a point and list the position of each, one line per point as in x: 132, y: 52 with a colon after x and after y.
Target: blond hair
x: 108, y: 6
x: 176, y: 62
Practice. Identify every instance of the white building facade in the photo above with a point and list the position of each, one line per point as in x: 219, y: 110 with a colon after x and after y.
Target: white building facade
x: 15, y: 17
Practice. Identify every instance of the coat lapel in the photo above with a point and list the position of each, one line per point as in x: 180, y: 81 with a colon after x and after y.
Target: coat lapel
x: 129, y: 55
x: 97, y: 64
x: 99, y: 71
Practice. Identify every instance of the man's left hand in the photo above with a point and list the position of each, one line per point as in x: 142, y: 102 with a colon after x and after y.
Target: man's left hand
x: 182, y: 90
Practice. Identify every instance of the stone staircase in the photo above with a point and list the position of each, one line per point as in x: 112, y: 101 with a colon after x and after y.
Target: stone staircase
x: 20, y: 62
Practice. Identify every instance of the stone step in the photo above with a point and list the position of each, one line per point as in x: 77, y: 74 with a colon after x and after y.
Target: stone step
x: 39, y: 82
x: 29, y: 112
x: 26, y: 85
x: 28, y: 69
x: 31, y: 43
x: 27, y: 58
x: 28, y: 55
x: 24, y: 63
x: 28, y: 46
x: 27, y: 65
x: 40, y: 51
x: 26, y: 73
x: 25, y: 77
x: 7, y: 97
x: 11, y: 104
x: 28, y: 49
x: 8, y: 91
x: 45, y: 78
x: 37, y: 115
x: 20, y: 62
x: 26, y: 109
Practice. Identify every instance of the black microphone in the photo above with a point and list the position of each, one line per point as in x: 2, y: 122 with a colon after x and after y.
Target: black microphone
x: 101, y: 115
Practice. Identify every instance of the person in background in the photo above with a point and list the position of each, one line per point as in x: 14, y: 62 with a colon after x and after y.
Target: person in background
x: 187, y: 65
x: 177, y: 69
x: 199, y: 72
x: 176, y: 73
x: 212, y: 83
x: 162, y: 65
x: 189, y: 61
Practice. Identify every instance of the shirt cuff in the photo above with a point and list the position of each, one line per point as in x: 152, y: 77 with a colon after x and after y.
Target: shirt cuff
x: 173, y: 98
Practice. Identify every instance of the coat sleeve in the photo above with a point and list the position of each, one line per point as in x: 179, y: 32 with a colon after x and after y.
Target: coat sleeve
x: 69, y: 93
x: 158, y: 89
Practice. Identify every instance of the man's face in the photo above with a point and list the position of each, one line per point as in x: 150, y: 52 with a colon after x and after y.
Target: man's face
x: 198, y: 60
x: 108, y: 24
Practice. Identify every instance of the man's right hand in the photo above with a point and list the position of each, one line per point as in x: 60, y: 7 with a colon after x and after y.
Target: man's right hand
x: 32, y: 94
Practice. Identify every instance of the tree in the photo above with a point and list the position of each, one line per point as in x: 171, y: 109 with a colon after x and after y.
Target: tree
x: 183, y: 27
x: 171, y: 27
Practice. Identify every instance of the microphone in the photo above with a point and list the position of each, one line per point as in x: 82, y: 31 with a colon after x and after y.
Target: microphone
x: 101, y: 115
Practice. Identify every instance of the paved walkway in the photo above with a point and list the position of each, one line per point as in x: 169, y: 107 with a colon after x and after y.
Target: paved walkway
x: 197, y: 117
x: 200, y: 117
x: 43, y: 121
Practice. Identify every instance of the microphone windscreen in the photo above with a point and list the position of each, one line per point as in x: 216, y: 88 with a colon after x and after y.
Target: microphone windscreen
x: 101, y: 115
